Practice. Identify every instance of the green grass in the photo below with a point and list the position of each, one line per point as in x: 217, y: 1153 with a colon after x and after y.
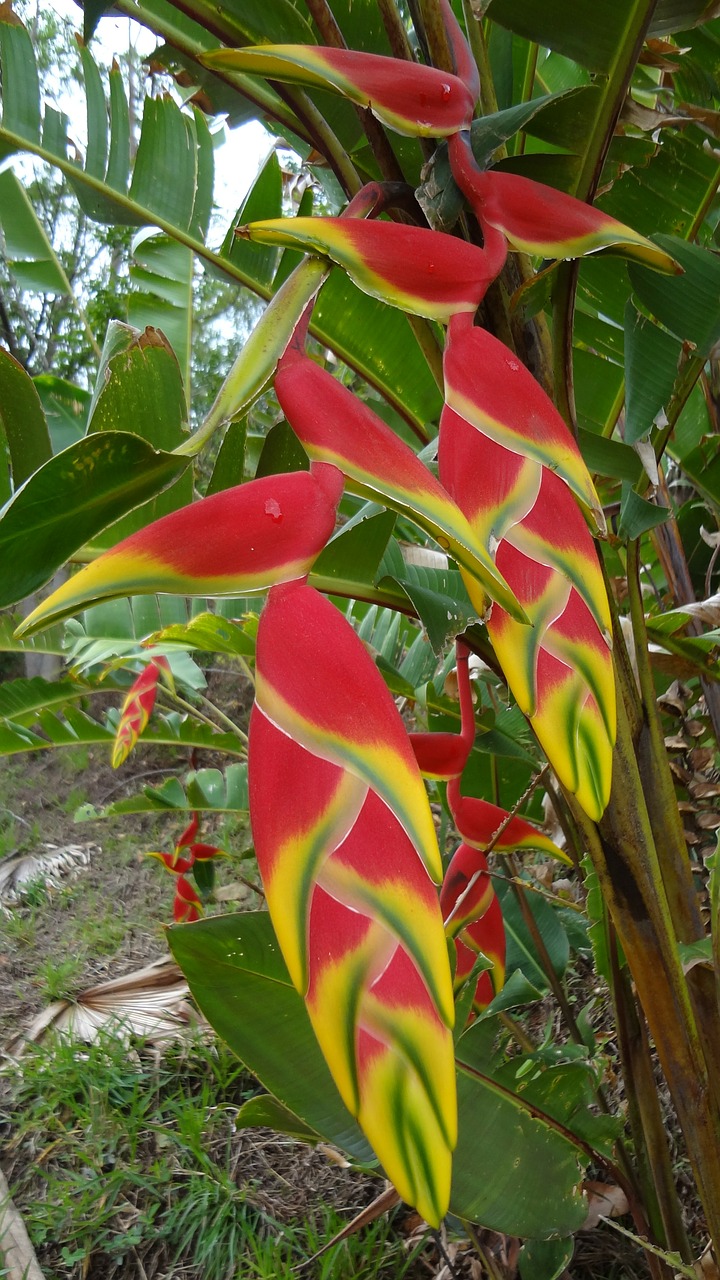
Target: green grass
x: 125, y: 1157
x: 58, y: 977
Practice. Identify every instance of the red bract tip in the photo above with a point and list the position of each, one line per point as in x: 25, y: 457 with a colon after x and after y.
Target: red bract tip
x: 187, y: 905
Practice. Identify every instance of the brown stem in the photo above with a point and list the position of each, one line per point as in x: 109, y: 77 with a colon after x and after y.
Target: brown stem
x: 646, y: 1119
x: 325, y: 21
x: 624, y: 857
x: 436, y: 38
x: 668, y: 832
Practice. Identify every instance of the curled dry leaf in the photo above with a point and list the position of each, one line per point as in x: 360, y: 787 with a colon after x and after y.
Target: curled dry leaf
x: 605, y: 1200
x: 706, y: 1266
x: 151, y: 1002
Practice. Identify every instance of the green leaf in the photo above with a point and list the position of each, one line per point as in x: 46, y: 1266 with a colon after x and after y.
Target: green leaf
x: 70, y: 500
x: 521, y: 951
x: 264, y: 200
x: 544, y: 1259
x: 609, y: 457
x: 688, y: 304
x: 281, y: 452
x: 590, y: 36
x: 50, y: 641
x: 21, y: 89
x: 66, y: 408
x: 28, y: 251
x: 238, y: 977
x: 208, y: 633
x: 162, y: 273
x: 208, y: 797
x: 139, y: 387
x: 637, y: 515
x: 229, y: 466
x: 21, y: 700
x: 93, y: 11
x: 266, y: 1112
x: 74, y: 727
x: 651, y: 365
x: 515, y: 1169
x: 22, y: 420
x: 352, y: 559
x: 437, y: 596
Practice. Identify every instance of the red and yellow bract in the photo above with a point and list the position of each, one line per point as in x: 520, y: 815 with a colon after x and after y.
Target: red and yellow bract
x: 541, y: 220
x: 474, y: 920
x: 234, y: 543
x: 337, y: 427
x: 510, y: 463
x: 345, y: 861
x: 137, y: 709
x: 410, y: 267
x: 417, y: 101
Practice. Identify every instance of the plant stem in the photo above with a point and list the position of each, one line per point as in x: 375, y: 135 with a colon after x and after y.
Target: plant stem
x: 554, y: 982
x: 326, y: 24
x: 646, y: 1120
x: 625, y: 859
x: 667, y: 829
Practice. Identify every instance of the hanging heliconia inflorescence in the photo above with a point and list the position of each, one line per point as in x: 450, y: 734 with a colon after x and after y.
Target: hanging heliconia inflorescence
x: 342, y: 826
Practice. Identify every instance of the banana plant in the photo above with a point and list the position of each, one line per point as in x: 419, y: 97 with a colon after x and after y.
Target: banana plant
x: 417, y: 281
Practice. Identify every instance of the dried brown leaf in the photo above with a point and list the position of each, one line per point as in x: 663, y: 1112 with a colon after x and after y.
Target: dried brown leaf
x: 150, y: 1002
x: 605, y: 1200
x: 51, y: 865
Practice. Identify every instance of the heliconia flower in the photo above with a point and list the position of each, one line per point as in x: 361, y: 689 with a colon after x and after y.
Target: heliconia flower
x: 473, y: 917
x: 543, y: 221
x: 412, y: 99
x: 444, y: 755
x: 490, y: 388
x: 422, y: 271
x: 137, y: 709
x: 478, y: 821
x: 339, y: 709
x: 188, y: 904
x: 516, y: 494
x: 336, y: 426
x: 341, y: 828
x: 234, y: 543
x: 176, y: 862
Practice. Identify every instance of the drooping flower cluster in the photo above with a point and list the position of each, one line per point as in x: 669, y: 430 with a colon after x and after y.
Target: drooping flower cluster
x: 341, y: 821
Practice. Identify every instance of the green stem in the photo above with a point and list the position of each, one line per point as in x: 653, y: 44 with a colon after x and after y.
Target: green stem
x: 673, y: 1266
x: 508, y: 861
x: 479, y: 50
x: 597, y: 142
